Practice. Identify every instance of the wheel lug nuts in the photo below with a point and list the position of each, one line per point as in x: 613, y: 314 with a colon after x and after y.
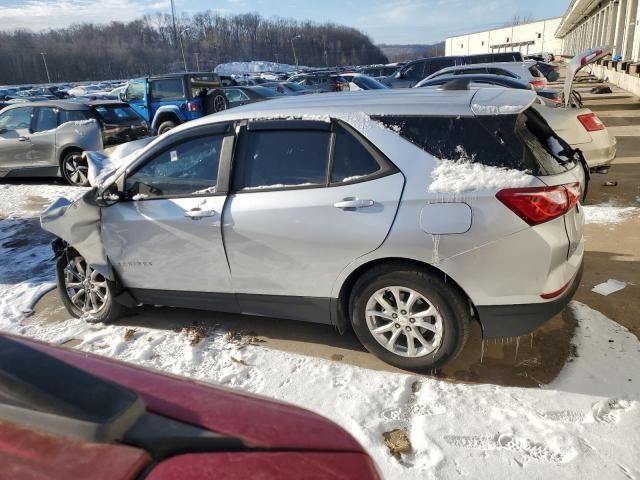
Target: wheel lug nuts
x: 408, y: 329
x: 397, y: 325
x: 403, y: 312
x: 394, y: 315
x: 412, y: 320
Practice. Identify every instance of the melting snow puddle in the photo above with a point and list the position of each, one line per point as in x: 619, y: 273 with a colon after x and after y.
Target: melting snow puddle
x: 573, y: 427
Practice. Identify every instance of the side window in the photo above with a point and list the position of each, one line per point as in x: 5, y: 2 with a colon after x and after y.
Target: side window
x: 502, y: 72
x: 46, y: 119
x: 16, y: 119
x: 73, y: 116
x: 169, y: 89
x: 135, y: 92
x: 184, y: 169
x: 282, y: 158
x: 470, y: 71
x: 235, y: 95
x: 414, y: 71
x: 351, y: 160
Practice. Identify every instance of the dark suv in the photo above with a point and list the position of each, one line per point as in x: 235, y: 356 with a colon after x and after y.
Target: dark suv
x: 321, y: 82
x: 166, y: 101
x: 415, y: 71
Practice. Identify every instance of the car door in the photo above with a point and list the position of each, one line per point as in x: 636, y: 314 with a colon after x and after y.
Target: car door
x: 166, y: 91
x: 164, y: 240
x: 290, y: 227
x: 43, y: 136
x: 136, y: 96
x: 15, y: 142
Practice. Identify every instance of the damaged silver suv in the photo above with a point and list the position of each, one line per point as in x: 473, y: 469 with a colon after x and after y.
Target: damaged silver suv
x: 404, y: 215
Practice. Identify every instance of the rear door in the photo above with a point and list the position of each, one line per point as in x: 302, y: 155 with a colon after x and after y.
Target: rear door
x: 166, y: 237
x: 298, y: 214
x: 43, y: 137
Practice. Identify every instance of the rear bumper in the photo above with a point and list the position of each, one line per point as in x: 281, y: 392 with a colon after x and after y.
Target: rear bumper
x: 515, y: 320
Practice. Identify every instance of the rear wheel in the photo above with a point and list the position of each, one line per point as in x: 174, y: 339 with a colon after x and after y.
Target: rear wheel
x: 84, y: 291
x: 166, y: 126
x: 409, y: 318
x: 74, y: 169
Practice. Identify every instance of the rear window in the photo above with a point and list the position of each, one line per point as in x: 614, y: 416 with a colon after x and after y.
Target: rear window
x: 535, y: 71
x: 367, y: 83
x: 116, y: 114
x: 522, y: 142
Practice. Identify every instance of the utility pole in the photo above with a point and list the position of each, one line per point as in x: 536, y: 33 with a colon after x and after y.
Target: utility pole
x: 293, y: 46
x: 197, y: 61
x: 44, y: 59
x: 173, y: 17
x: 184, y: 58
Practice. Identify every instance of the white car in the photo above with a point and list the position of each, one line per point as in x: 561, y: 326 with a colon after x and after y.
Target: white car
x: 360, y: 81
x: 578, y: 125
x: 526, y: 71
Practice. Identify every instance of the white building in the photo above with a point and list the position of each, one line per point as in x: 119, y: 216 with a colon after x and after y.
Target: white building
x: 589, y: 23
x: 531, y: 37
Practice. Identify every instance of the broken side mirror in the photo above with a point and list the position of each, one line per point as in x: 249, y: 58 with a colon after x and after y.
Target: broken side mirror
x: 110, y: 196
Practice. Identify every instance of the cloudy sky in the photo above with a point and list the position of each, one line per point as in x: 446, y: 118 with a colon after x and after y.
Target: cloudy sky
x: 386, y: 21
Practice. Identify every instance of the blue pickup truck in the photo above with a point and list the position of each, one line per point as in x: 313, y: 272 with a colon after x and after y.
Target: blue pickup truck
x: 166, y: 101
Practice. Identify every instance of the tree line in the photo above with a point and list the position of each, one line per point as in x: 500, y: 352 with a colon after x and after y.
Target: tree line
x: 151, y: 45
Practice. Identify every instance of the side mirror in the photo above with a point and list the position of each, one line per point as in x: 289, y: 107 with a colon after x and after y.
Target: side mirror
x: 109, y: 197
x: 121, y: 96
x: 399, y: 74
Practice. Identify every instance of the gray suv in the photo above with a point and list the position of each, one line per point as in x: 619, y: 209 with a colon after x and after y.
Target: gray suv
x: 47, y: 139
x: 403, y: 214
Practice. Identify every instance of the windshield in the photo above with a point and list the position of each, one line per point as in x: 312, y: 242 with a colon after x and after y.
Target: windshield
x: 294, y: 86
x: 116, y: 114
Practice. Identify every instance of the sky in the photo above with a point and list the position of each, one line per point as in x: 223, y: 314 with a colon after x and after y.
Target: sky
x: 385, y: 21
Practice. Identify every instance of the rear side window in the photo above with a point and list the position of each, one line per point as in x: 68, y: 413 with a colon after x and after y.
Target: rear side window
x: 513, y: 141
x: 169, y: 89
x: 46, y: 119
x: 282, y: 158
x: 501, y: 71
x: 434, y: 66
x: 535, y: 71
x: 16, y: 119
x: 351, y: 160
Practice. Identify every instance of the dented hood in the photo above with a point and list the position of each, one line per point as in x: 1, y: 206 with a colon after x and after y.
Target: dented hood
x: 577, y: 63
x: 104, y: 165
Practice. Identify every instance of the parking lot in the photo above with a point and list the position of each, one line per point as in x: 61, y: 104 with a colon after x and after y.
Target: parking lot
x: 579, y: 371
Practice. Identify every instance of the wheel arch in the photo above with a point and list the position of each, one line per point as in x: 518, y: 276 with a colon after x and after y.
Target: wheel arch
x: 340, y: 307
x: 64, y: 151
x: 167, y: 114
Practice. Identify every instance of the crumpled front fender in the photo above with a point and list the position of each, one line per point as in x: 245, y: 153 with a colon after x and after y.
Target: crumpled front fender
x: 78, y: 224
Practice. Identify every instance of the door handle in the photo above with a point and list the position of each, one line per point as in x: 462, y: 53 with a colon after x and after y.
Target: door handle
x: 353, y: 203
x: 23, y: 139
x: 196, y: 213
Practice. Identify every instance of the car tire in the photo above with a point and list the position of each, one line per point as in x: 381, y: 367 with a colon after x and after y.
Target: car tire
x: 73, y: 277
x: 75, y: 169
x: 216, y: 101
x: 437, y: 338
x: 166, y: 126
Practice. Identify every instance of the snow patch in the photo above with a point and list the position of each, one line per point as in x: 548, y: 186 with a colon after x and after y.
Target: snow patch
x: 608, y: 214
x: 254, y: 66
x: 479, y: 109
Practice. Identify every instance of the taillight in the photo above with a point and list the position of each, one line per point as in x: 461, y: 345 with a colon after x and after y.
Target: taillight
x: 591, y: 122
x: 193, y: 107
x: 536, y: 205
x: 537, y: 83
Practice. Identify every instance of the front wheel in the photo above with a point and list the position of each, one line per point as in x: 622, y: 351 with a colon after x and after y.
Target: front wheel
x: 166, y: 126
x: 84, y: 291
x: 409, y: 318
x: 75, y: 169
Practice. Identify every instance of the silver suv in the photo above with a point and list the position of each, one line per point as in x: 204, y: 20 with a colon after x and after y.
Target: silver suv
x: 403, y: 214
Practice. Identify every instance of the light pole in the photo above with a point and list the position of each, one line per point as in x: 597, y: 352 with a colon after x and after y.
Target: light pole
x: 44, y: 59
x: 197, y: 54
x: 293, y: 46
x: 184, y: 59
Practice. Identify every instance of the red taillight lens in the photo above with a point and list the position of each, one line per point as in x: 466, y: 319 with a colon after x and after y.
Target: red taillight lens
x: 536, y: 205
x: 557, y: 293
x: 591, y: 122
x: 537, y: 83
x: 193, y: 107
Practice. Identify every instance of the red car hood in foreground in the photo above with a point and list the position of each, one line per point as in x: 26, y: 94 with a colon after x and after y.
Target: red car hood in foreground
x: 284, y: 441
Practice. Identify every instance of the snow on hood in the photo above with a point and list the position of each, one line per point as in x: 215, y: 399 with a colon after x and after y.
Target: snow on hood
x: 577, y: 63
x: 103, y: 166
x: 464, y: 175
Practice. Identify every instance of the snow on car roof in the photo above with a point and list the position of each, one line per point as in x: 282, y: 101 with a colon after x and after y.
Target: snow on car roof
x: 384, y: 102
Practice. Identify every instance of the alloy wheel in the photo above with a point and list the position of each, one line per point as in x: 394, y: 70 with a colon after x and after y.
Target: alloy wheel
x: 404, y: 321
x: 75, y: 170
x: 219, y: 104
x: 86, y: 288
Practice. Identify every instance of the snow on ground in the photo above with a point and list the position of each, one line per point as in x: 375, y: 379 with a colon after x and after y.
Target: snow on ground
x: 584, y: 424
x: 607, y: 213
x: 255, y: 66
